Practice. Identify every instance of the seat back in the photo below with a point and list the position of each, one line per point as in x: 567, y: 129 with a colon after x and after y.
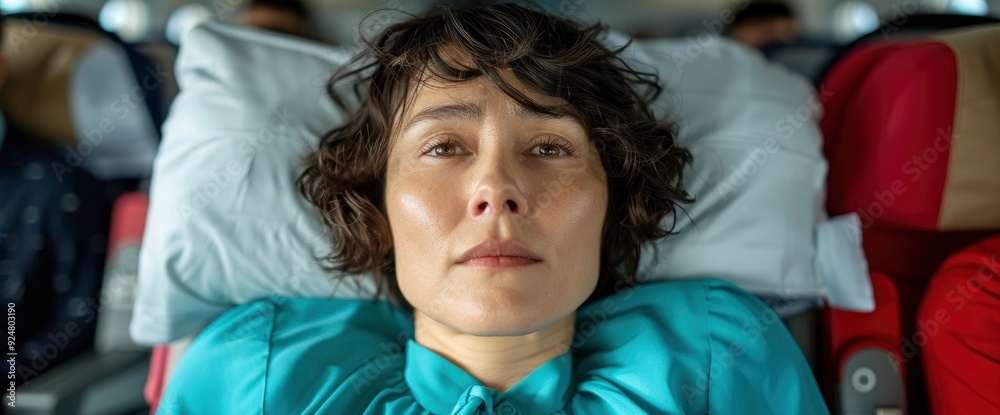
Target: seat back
x: 121, y: 275
x: 77, y: 87
x: 910, y: 134
x: 914, y: 151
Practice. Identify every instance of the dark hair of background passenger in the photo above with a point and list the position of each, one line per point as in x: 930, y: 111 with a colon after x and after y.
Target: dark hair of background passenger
x: 294, y: 6
x: 760, y: 11
x: 345, y: 177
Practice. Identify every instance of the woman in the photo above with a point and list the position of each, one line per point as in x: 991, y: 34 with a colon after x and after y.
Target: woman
x: 498, y: 181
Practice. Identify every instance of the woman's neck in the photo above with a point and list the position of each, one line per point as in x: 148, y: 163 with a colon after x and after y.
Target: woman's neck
x: 498, y: 361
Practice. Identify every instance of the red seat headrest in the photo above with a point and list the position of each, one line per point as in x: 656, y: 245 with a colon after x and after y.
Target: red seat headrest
x: 911, y: 130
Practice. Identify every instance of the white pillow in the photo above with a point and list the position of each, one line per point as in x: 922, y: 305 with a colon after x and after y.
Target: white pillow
x: 758, y: 173
x: 226, y: 224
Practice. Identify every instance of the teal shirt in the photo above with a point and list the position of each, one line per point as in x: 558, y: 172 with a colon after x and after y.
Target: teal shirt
x: 679, y: 347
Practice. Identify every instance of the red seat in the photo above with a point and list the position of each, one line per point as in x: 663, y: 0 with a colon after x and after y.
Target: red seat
x: 156, y: 382
x: 959, y: 329
x: 910, y: 128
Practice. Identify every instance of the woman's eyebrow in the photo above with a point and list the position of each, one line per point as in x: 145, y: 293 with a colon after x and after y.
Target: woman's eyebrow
x: 457, y: 111
x: 467, y: 111
x: 556, y: 112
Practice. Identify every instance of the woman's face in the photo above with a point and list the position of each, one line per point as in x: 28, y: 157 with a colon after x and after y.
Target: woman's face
x: 468, y: 167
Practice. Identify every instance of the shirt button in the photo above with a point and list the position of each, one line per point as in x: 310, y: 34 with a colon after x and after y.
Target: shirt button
x: 506, y: 408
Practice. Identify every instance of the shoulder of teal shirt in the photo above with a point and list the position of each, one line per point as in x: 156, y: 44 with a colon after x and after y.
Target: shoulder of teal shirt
x: 756, y: 364
x: 288, y: 355
x: 688, y: 347
x: 700, y: 346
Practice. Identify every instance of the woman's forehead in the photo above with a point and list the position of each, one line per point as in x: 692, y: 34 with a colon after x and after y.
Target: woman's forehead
x: 479, y: 93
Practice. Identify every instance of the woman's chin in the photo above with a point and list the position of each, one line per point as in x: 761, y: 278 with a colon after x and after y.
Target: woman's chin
x: 508, y: 317
x: 505, y: 305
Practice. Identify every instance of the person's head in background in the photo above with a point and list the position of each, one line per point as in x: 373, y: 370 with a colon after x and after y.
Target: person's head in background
x: 285, y: 16
x: 763, y: 23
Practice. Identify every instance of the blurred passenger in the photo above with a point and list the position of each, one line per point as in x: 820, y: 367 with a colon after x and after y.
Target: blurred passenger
x: 284, y: 16
x: 53, y: 231
x: 763, y: 23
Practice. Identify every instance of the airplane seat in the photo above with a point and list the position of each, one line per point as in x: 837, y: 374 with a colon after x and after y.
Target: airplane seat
x: 910, y: 134
x: 82, y: 89
x: 960, y: 321
x: 904, y: 26
x: 107, y: 379
x: 141, y: 63
x: 901, y: 26
x: 78, y: 89
x: 164, y: 360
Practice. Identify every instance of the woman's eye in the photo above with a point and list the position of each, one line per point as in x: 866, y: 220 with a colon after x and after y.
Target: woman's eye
x: 450, y: 149
x: 443, y: 150
x: 550, y: 150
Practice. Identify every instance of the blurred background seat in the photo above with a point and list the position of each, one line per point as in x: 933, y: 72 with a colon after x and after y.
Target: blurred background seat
x: 107, y: 379
x: 910, y: 134
x: 83, y: 110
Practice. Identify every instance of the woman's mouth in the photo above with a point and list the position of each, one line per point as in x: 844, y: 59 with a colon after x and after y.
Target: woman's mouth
x: 499, y: 262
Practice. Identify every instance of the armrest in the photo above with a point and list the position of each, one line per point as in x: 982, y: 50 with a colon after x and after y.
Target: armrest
x: 165, y: 360
x: 61, y: 390
x: 864, y: 369
x: 871, y: 382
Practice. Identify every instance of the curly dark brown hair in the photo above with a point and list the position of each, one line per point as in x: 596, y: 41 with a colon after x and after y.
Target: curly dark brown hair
x: 345, y: 177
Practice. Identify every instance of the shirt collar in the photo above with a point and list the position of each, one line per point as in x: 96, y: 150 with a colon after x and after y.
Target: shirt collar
x: 444, y: 388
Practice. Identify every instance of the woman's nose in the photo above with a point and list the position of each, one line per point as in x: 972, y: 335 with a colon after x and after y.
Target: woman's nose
x: 497, y: 193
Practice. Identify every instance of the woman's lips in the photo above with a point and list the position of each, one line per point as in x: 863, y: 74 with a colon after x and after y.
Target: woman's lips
x: 499, y: 262
x: 497, y: 254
